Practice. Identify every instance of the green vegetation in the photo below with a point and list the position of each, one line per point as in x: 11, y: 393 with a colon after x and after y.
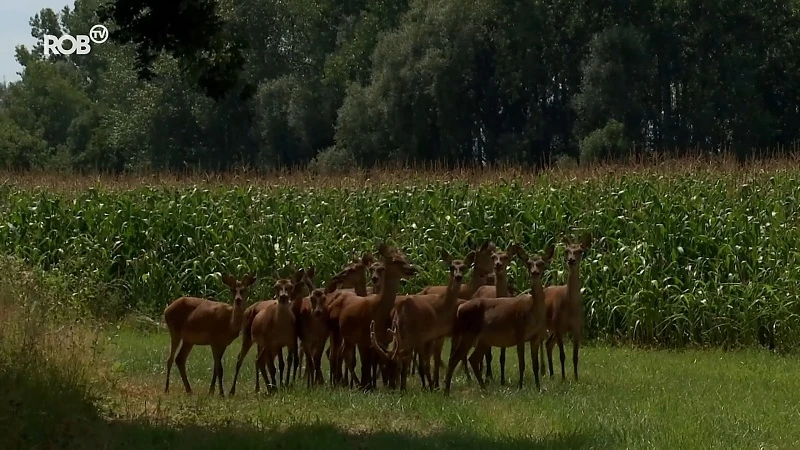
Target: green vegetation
x: 696, y: 257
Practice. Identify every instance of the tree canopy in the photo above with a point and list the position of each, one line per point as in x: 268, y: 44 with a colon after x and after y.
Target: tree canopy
x: 217, y: 84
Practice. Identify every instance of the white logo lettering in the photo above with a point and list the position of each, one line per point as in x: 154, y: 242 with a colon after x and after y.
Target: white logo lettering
x: 80, y: 44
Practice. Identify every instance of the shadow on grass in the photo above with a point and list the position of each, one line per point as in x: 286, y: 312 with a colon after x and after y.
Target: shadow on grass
x: 143, y: 435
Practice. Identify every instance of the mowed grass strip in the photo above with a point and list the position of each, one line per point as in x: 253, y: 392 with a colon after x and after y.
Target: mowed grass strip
x: 626, y: 398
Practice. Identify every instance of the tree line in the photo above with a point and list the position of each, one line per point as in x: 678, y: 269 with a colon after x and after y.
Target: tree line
x: 328, y: 84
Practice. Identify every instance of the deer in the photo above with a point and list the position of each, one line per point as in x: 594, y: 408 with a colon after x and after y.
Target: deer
x: 503, y: 322
x: 274, y: 328
x: 565, y: 307
x: 350, y: 279
x: 356, y: 312
x: 313, y: 334
x: 247, y: 334
x: 199, y: 321
x: 482, y: 268
x: 498, y: 288
x: 420, y: 319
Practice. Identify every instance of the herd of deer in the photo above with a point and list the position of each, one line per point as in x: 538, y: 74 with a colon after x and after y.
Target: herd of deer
x: 392, y: 332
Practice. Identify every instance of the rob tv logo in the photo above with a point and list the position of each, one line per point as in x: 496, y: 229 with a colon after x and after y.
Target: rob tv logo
x: 80, y: 44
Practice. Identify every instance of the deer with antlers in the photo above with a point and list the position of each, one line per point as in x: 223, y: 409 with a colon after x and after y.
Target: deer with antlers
x: 502, y: 322
x: 565, y: 307
x: 420, y: 319
x: 356, y: 312
x: 482, y: 268
x: 199, y: 321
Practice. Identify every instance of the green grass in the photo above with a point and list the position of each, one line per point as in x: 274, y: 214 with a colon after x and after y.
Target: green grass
x: 626, y: 398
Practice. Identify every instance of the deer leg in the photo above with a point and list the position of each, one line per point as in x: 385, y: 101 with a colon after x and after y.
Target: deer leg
x: 428, y: 347
x: 551, y: 341
x: 537, y: 342
x: 215, y: 353
x: 503, y: 366
x: 542, y: 357
x: 296, y: 362
x: 561, y: 354
x: 281, y: 365
x: 453, y: 345
x: 258, y: 363
x: 175, y: 341
x: 365, y: 353
x: 576, y: 343
x: 350, y: 365
x: 246, y: 344
x: 271, y: 366
x: 180, y: 361
x: 521, y: 357
x: 320, y: 378
x: 488, y: 359
x: 219, y: 372
x: 295, y: 356
x: 437, y: 348
x: 475, y: 360
x: 457, y: 355
x: 261, y: 367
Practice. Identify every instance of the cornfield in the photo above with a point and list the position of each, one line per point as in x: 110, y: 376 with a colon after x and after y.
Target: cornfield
x: 679, y: 258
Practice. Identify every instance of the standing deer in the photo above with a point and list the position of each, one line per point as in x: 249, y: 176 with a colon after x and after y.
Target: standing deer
x: 356, y: 312
x: 274, y: 326
x: 421, y: 319
x: 199, y: 321
x: 499, y: 288
x: 247, y: 334
x: 502, y: 322
x: 565, y: 307
x: 482, y: 268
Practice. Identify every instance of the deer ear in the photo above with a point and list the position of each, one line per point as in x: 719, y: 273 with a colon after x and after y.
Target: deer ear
x: 521, y: 254
x: 311, y: 272
x: 548, y: 253
x: 565, y: 240
x: 383, y: 250
x: 249, y: 279
x: 587, y: 241
x: 470, y: 259
x: 367, y: 258
x: 512, y: 250
x: 298, y: 276
x: 228, y: 280
x: 446, y: 257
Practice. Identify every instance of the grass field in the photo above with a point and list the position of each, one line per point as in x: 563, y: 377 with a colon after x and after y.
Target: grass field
x: 626, y: 399
x: 700, y: 257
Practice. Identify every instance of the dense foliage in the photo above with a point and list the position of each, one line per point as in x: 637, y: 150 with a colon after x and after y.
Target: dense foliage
x: 703, y: 257
x: 371, y: 81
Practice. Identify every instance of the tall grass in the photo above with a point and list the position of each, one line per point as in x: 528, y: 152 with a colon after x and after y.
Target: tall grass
x: 48, y: 363
x: 684, y: 254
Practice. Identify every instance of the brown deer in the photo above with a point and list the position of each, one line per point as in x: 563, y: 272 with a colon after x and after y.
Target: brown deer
x: 421, y: 319
x: 247, y: 333
x: 499, y: 288
x: 313, y: 334
x: 565, y: 307
x: 502, y: 322
x: 483, y: 267
x: 350, y: 279
x: 274, y: 326
x: 355, y: 312
x: 199, y: 321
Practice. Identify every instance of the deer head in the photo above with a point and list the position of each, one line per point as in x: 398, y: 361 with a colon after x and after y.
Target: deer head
x: 239, y: 289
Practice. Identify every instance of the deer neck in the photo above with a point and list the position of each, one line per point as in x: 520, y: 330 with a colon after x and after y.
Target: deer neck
x: 574, y: 284
x: 360, y: 288
x: 452, y: 293
x: 237, y: 317
x: 475, y: 283
x: 501, y: 283
x: 389, y: 287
